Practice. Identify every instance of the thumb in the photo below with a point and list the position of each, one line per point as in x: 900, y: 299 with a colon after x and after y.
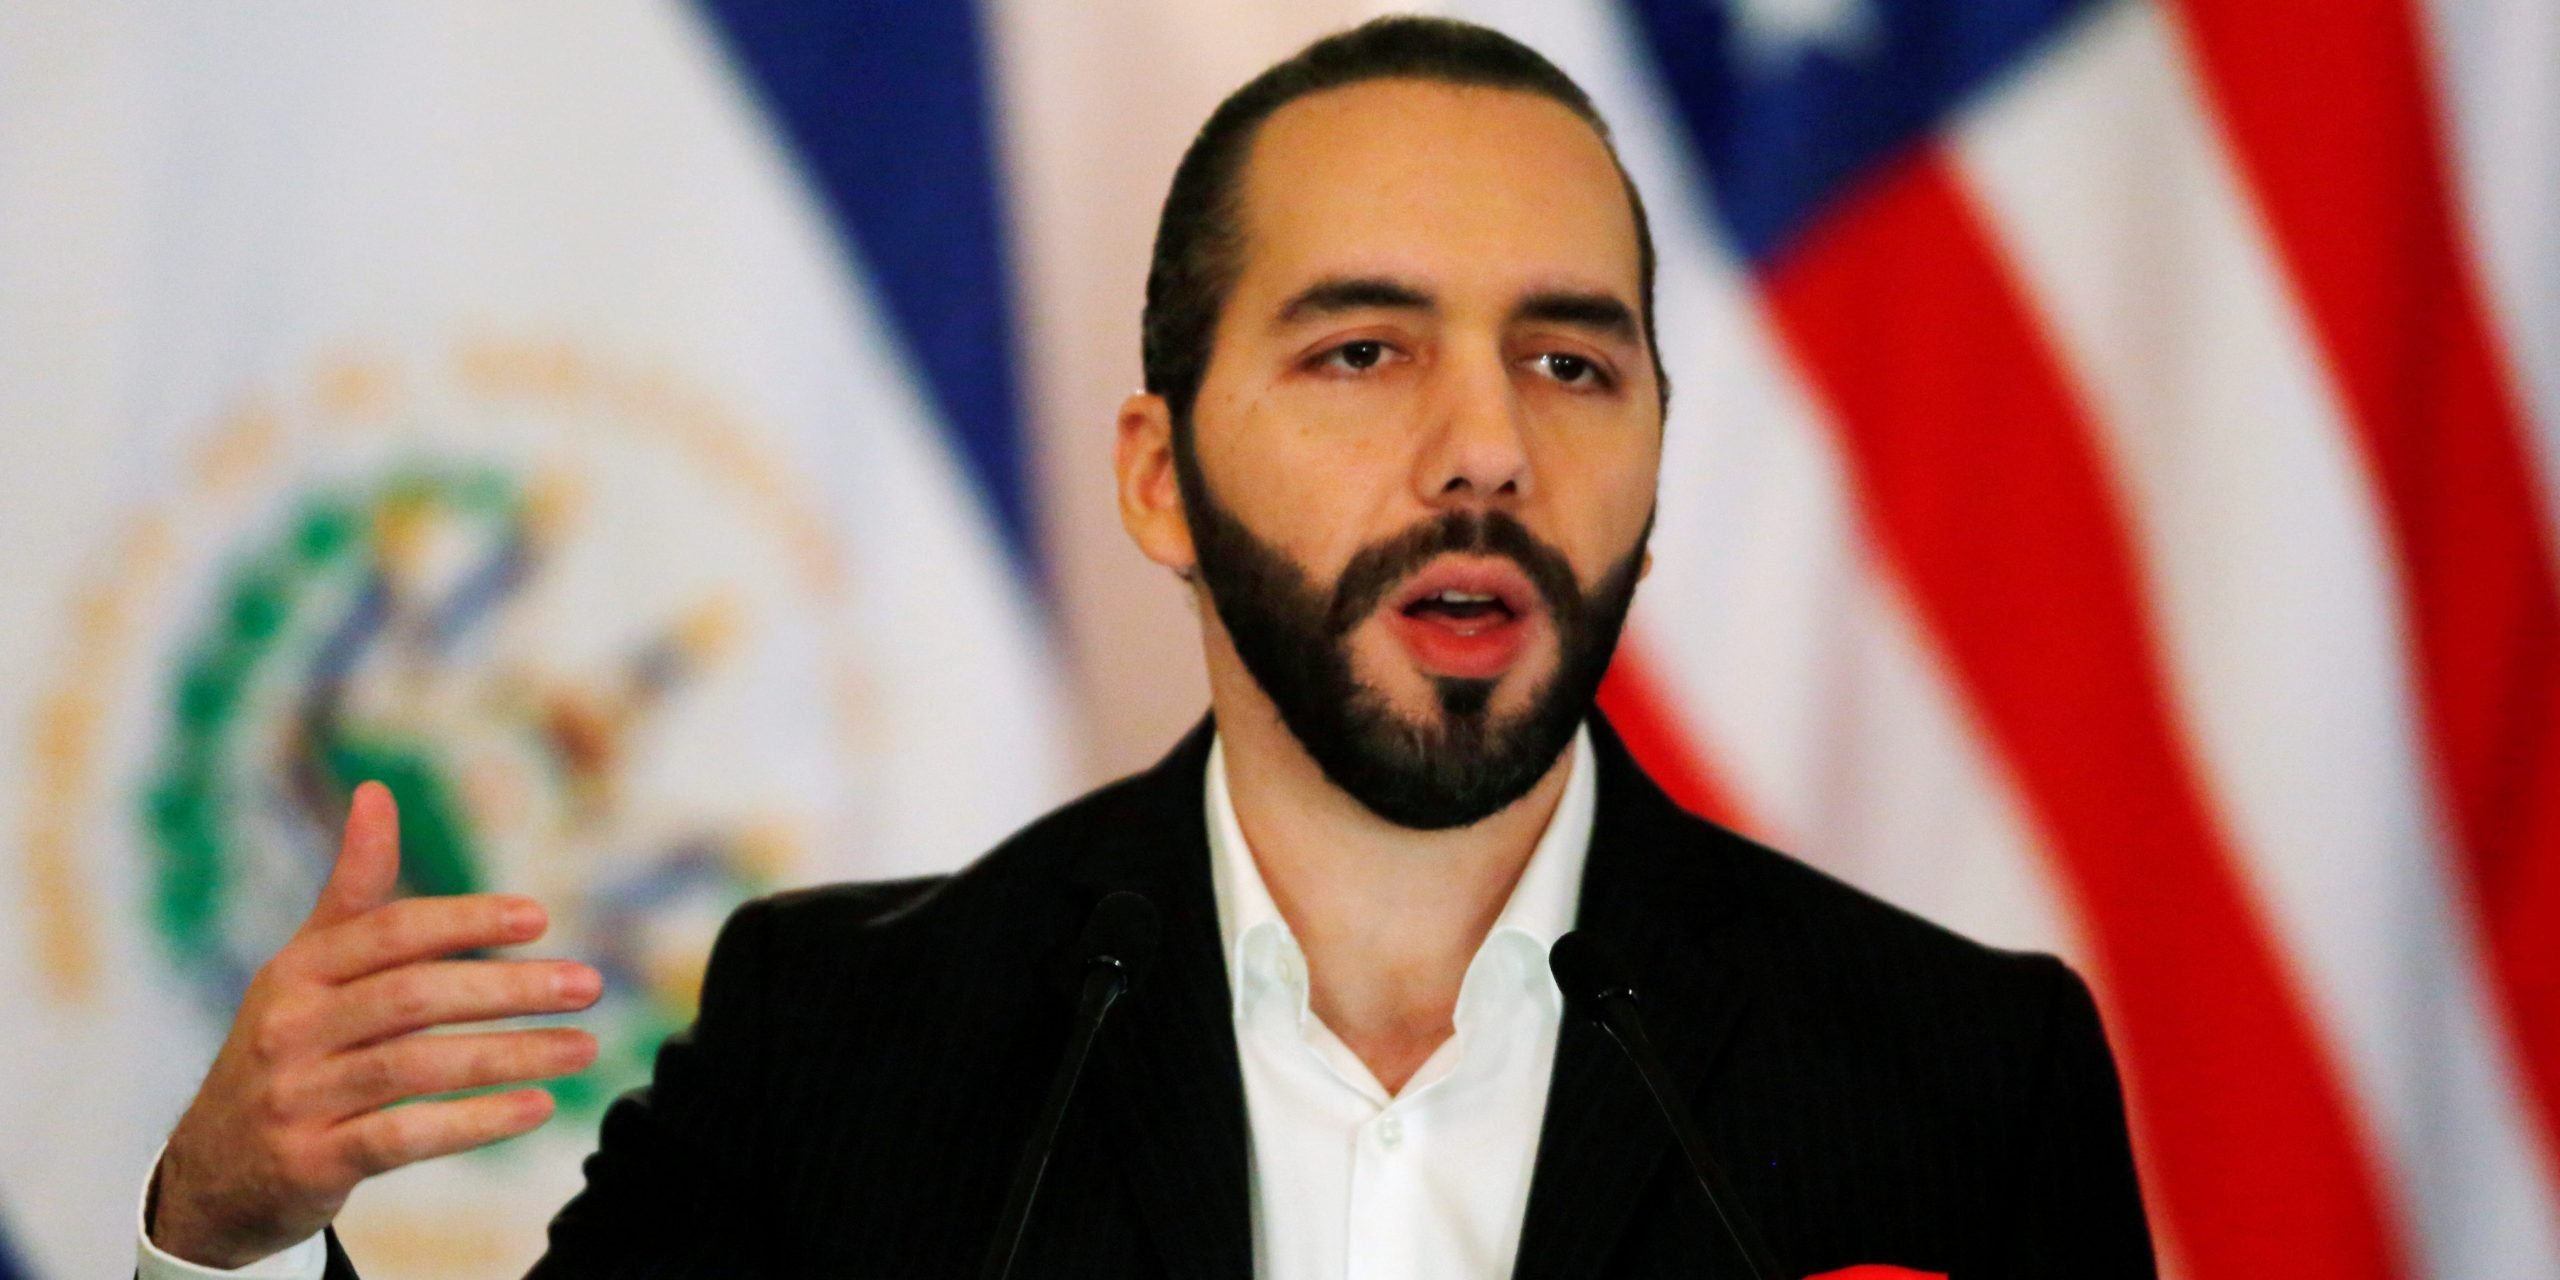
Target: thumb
x: 368, y: 866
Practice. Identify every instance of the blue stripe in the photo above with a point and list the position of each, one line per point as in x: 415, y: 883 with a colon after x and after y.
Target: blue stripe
x: 888, y: 108
x: 1785, y: 132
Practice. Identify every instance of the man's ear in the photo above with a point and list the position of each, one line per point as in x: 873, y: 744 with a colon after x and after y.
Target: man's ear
x: 1150, y: 490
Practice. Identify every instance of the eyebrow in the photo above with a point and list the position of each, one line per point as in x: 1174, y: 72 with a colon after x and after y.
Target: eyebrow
x: 1600, y: 312
x: 1353, y: 293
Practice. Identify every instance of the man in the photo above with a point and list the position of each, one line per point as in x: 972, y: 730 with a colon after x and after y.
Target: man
x: 1401, y: 433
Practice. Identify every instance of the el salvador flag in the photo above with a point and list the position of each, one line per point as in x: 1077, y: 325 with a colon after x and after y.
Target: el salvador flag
x: 606, y: 413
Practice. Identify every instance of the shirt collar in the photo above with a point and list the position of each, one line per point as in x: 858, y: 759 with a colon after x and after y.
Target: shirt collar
x: 1263, y: 956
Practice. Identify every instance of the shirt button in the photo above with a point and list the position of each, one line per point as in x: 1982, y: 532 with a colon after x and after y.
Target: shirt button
x: 1391, y: 1133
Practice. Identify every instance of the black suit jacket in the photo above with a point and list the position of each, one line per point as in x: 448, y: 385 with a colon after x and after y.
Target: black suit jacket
x: 868, y: 1060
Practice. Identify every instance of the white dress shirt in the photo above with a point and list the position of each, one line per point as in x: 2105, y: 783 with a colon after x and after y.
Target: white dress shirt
x: 1345, y: 1181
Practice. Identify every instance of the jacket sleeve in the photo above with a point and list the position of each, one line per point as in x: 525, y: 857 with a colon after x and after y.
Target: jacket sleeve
x: 674, y: 1187
x: 2078, y: 1200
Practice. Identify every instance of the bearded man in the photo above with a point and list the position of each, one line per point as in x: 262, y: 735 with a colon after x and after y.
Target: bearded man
x: 1401, y: 433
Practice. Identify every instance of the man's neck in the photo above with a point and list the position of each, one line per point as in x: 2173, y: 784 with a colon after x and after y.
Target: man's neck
x: 1389, y: 918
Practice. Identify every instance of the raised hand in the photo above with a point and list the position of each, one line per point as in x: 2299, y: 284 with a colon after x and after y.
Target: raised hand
x: 298, y: 1106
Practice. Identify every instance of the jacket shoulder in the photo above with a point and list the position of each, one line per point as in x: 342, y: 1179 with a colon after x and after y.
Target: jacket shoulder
x: 1657, y: 862
x: 1836, y: 954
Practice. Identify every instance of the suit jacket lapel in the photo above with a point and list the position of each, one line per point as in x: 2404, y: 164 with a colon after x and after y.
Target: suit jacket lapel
x: 1164, y: 1076
x: 1647, y: 895
x: 1166, y: 1083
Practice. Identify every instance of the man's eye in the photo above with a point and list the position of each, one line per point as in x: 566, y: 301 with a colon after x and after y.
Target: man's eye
x: 1573, y: 370
x: 1357, y: 356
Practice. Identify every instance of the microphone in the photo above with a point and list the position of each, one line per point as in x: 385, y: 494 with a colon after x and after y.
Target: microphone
x: 1114, y: 952
x: 1596, y: 986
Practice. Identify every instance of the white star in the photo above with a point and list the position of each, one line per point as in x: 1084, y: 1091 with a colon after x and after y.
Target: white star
x: 1775, y: 34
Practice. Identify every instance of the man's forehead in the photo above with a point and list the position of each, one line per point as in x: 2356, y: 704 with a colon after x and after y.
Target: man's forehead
x: 1404, y: 178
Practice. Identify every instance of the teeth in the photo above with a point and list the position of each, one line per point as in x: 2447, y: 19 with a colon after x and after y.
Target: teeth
x: 1463, y: 597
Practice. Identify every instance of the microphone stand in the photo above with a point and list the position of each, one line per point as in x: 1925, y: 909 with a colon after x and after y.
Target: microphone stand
x: 1595, y: 983
x: 1119, y: 941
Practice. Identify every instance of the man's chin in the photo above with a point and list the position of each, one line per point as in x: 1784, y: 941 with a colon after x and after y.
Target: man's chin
x: 1444, y: 709
x: 1451, y: 790
x: 1456, y: 762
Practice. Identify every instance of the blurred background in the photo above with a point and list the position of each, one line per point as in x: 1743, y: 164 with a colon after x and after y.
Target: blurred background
x: 2107, y: 508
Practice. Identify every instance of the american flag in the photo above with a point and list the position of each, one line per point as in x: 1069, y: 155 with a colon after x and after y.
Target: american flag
x: 2108, y: 507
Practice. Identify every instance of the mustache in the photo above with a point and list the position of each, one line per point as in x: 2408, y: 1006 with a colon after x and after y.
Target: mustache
x: 1378, y: 567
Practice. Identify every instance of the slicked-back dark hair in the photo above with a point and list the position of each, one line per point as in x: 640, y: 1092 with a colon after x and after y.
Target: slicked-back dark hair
x: 1199, y: 248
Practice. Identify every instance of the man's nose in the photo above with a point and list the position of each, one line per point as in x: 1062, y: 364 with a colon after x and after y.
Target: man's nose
x: 1475, y: 450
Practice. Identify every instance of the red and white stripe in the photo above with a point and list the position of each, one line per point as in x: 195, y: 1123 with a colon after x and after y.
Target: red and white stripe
x: 2279, y: 608
x: 2500, y: 111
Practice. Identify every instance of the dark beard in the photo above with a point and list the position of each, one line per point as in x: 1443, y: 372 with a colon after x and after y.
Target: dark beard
x: 1294, y: 637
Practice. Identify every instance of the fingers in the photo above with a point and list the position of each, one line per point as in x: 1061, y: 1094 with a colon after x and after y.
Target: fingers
x: 415, y: 929
x: 419, y: 1066
x: 302, y: 1094
x: 368, y: 866
x: 381, y: 1141
x: 417, y: 996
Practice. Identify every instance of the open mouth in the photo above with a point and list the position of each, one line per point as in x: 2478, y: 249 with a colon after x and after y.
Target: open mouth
x: 1462, y: 611
x: 1467, y: 619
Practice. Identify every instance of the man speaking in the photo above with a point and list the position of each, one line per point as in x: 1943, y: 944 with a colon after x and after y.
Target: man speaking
x: 1401, y: 432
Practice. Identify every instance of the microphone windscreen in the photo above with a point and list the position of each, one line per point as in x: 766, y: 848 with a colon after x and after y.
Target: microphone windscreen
x: 1124, y: 927
x: 1587, y: 972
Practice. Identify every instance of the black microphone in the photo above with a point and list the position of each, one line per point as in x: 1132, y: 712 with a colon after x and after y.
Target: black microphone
x: 1596, y: 986
x: 1113, y: 954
